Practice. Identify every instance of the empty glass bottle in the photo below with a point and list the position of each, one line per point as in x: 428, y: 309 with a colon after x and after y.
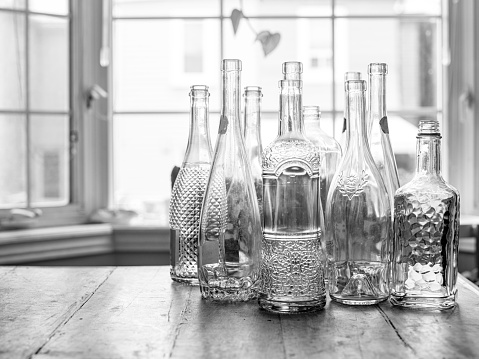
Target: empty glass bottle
x: 292, y: 264
x: 351, y: 75
x: 252, y: 138
x: 230, y: 236
x: 378, y: 130
x: 426, y: 231
x: 188, y: 191
x: 358, y: 216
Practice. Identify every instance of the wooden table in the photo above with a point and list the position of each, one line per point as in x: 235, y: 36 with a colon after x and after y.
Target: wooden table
x: 137, y: 312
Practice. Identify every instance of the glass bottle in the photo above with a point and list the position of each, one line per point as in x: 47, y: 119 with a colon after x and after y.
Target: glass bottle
x: 358, y: 216
x: 426, y: 231
x: 378, y: 130
x: 252, y: 138
x: 188, y: 191
x: 351, y: 75
x: 230, y: 235
x: 292, y: 263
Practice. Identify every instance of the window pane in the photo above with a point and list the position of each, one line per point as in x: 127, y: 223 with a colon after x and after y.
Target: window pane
x: 58, y: 7
x: 148, y: 8
x: 50, y: 158
x: 12, y: 4
x: 155, y: 64
x: 387, y: 7
x: 49, y: 63
x: 409, y: 47
x: 12, y: 61
x: 281, y: 7
x: 305, y: 40
x: 12, y: 159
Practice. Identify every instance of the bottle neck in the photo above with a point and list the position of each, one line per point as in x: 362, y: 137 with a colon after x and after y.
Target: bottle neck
x: 231, y: 97
x: 199, y: 144
x: 428, y: 155
x: 252, y: 116
x: 290, y: 107
x: 377, y: 99
x: 355, y: 118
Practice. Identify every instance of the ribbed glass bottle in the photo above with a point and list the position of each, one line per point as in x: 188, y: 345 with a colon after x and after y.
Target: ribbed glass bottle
x: 252, y: 138
x: 426, y: 231
x: 292, y: 263
x: 358, y: 216
x: 378, y: 130
x: 230, y: 236
x: 343, y: 142
x: 188, y: 191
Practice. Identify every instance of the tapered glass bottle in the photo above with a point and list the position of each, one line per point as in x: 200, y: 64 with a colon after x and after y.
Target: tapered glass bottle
x: 230, y: 235
x: 188, y: 191
x: 252, y: 138
x: 343, y: 142
x: 378, y: 130
x: 292, y: 263
x: 426, y: 231
x: 358, y: 216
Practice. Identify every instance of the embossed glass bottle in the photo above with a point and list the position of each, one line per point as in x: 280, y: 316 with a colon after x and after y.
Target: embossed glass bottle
x: 426, y: 231
x: 252, y: 138
x: 378, y: 130
x: 351, y: 75
x: 358, y: 216
x: 230, y: 234
x: 188, y: 191
x: 292, y: 263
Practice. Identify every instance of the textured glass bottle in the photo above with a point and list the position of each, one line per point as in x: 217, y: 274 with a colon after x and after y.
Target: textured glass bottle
x: 358, y: 216
x: 426, y: 231
x: 252, y: 138
x: 188, y: 191
x: 351, y: 75
x: 230, y: 236
x: 292, y: 265
x: 329, y: 149
x: 378, y: 131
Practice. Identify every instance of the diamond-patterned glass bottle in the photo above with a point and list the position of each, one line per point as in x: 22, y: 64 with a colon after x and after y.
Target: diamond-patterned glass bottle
x: 230, y: 235
x: 426, y: 231
x: 358, y: 216
x: 292, y: 260
x: 188, y: 191
x: 252, y: 138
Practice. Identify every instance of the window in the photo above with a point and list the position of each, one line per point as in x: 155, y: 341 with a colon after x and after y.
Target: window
x: 162, y: 48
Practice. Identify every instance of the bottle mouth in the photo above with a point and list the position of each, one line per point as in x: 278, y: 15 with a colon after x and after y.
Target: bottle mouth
x: 429, y: 127
x: 352, y: 75
x: 379, y: 68
x: 311, y: 111
x: 292, y: 70
x: 252, y: 91
x: 199, y: 91
x: 231, y: 65
x: 355, y: 85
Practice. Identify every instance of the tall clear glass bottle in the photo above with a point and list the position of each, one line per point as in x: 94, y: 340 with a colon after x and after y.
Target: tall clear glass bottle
x: 378, y: 130
x: 230, y: 236
x: 292, y: 264
x: 343, y: 142
x: 188, y: 191
x: 252, y: 138
x: 358, y: 216
x: 426, y: 231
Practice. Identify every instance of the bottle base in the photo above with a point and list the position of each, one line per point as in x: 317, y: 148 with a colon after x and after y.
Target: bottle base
x: 185, y: 280
x: 228, y: 294
x: 358, y: 300
x: 288, y: 307
x: 423, y: 303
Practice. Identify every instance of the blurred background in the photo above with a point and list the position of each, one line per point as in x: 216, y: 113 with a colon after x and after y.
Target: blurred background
x: 94, y: 106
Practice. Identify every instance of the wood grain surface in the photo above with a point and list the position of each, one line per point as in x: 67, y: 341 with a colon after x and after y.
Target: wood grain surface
x: 137, y: 312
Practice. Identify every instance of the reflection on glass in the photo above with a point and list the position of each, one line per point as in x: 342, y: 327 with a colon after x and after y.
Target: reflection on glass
x: 156, y: 62
x: 407, y: 46
x: 12, y: 61
x: 49, y: 160
x: 12, y: 161
x: 58, y: 7
x: 49, y: 64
